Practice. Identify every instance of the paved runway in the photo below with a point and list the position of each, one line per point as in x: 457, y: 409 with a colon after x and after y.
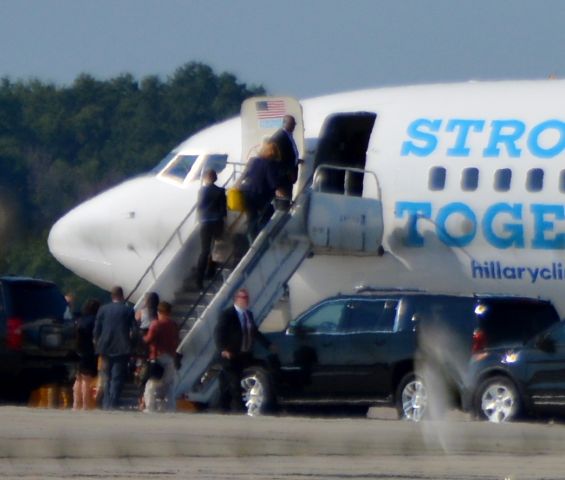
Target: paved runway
x: 38, y: 443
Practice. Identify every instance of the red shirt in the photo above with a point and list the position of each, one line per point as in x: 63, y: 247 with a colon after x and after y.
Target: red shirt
x: 162, y: 337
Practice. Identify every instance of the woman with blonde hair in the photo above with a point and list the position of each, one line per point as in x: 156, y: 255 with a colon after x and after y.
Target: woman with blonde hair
x: 259, y: 183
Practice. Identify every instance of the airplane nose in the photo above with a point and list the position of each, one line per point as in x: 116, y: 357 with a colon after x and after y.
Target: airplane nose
x: 113, y: 237
x: 73, y: 241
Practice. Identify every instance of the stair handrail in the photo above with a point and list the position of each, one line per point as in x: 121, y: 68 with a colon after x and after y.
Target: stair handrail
x: 316, y: 183
x: 205, y: 290
x: 177, y: 230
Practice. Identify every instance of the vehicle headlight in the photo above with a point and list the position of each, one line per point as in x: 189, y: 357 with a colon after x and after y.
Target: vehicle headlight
x: 510, y: 357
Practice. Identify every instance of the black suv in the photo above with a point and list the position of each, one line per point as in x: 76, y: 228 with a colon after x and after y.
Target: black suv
x: 365, y: 348
x: 36, y: 343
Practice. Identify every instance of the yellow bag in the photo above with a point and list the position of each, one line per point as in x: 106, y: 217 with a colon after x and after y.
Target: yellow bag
x: 235, y: 200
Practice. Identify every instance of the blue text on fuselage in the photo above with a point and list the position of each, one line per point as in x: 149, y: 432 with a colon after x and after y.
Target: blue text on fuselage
x: 509, y: 137
x: 502, y: 224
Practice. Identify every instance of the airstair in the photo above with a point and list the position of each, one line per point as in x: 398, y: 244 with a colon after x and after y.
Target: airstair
x: 317, y: 222
x: 271, y: 260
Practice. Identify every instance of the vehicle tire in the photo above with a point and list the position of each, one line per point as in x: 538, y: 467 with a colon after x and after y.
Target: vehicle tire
x: 257, y: 392
x: 497, y: 400
x: 411, y: 398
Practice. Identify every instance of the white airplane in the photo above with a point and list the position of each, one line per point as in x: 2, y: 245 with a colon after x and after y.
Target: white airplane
x: 468, y: 175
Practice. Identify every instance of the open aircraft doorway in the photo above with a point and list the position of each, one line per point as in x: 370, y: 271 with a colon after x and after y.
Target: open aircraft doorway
x: 343, y: 142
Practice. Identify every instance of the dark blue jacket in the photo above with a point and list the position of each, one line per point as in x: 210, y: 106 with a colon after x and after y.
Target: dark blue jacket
x: 261, y: 179
x: 113, y: 328
x: 211, y: 203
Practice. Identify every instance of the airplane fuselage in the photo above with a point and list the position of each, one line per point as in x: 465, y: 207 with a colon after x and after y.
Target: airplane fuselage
x: 471, y: 178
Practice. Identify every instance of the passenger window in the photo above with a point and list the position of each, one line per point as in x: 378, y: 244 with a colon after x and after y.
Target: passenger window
x: 470, y: 179
x: 180, y: 167
x: 323, y: 319
x: 534, y: 181
x: 436, y: 179
x: 370, y: 316
x: 562, y: 181
x: 502, y: 180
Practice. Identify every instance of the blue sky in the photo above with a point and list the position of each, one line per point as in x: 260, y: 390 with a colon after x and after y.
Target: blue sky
x: 296, y: 47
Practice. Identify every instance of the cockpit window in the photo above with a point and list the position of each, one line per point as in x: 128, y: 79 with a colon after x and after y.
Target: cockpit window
x: 216, y: 162
x: 163, y: 163
x: 180, y: 167
x: 190, y: 167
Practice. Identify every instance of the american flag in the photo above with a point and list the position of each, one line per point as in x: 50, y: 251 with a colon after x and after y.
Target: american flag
x: 270, y: 109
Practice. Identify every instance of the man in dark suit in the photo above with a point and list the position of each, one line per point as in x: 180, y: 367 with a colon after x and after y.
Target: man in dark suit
x: 235, y: 335
x: 113, y: 330
x: 212, y: 211
x: 289, y: 153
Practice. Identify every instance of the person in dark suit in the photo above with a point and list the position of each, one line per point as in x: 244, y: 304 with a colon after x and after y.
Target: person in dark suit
x: 114, y: 327
x: 260, y: 180
x: 212, y: 211
x: 289, y: 153
x: 235, y: 335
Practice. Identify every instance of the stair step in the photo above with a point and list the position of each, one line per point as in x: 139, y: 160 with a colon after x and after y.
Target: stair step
x: 178, y: 319
x: 186, y: 297
x: 189, y: 282
x: 185, y: 307
x: 191, y: 293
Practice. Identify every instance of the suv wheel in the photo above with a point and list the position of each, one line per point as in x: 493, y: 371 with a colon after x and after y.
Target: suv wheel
x: 497, y: 400
x: 257, y: 394
x: 411, y: 398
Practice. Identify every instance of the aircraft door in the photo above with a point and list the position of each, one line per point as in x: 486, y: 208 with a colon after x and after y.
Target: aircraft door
x: 262, y: 117
x: 342, y: 216
x: 343, y: 142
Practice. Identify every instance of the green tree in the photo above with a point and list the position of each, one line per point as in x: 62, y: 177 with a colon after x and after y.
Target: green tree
x: 62, y: 145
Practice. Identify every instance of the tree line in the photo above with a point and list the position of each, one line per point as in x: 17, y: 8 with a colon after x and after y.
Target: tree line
x: 60, y: 145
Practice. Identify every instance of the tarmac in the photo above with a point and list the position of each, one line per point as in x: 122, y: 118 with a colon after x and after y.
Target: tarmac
x: 46, y: 443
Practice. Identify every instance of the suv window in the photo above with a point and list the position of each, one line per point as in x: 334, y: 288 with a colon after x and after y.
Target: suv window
x: 370, y: 316
x: 323, y: 319
x: 513, y: 323
x: 32, y: 300
x: 558, y: 333
x: 444, y: 312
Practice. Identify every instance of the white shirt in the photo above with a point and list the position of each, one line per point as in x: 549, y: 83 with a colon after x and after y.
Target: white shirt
x: 241, y: 315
